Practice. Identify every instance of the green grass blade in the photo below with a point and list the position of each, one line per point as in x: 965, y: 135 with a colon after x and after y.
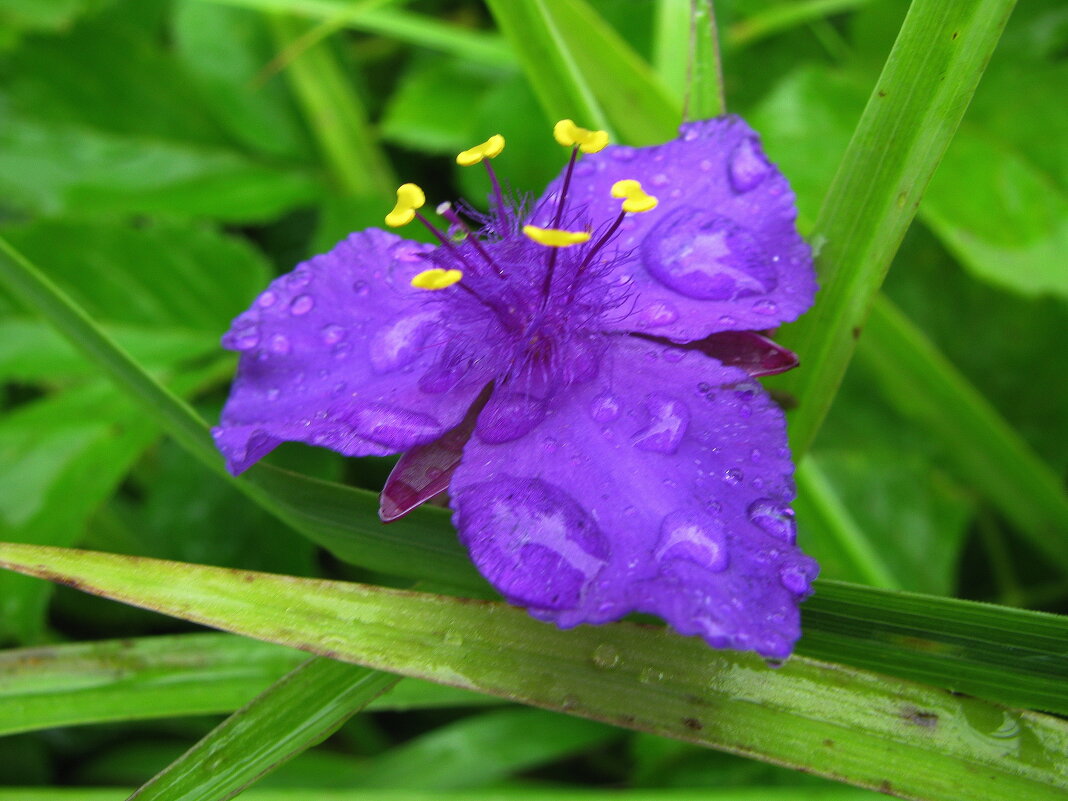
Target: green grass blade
x: 298, y: 711
x: 548, y: 62
x: 415, y: 29
x: 851, y: 725
x: 162, y: 677
x: 917, y: 379
x: 153, y: 677
x: 336, y: 116
x: 506, y: 794
x: 638, y: 106
x: 918, y: 102
x: 783, y: 16
x: 818, y: 503
x: 705, y: 96
x: 1013, y: 656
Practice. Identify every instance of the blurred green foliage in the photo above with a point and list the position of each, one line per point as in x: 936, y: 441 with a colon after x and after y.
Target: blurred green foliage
x: 162, y: 159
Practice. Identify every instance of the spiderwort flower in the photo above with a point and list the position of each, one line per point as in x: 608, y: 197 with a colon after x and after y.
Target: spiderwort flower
x: 579, y: 374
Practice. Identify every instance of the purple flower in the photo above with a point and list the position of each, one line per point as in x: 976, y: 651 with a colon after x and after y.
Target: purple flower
x: 579, y: 377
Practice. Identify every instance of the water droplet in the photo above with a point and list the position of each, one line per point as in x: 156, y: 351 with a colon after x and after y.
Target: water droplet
x: 395, y: 426
x: 560, y: 551
x: 246, y: 338
x: 727, y: 321
x: 765, y: 306
x: 361, y: 288
x: 659, y: 313
x: 755, y: 455
x: 660, y: 179
x: 774, y: 519
x: 705, y: 165
x: 668, y: 420
x: 733, y: 476
x: 273, y: 393
x: 690, y: 133
x: 509, y: 416
x: 620, y: 153
x: 453, y: 639
x: 301, y: 305
x: 332, y: 334
x: 795, y: 579
x: 298, y: 279
x: 279, y: 343
x: 407, y: 251
x: 606, y: 656
x: 584, y: 168
x: 707, y: 256
x: 693, y: 537
x: 650, y: 676
x: 266, y: 299
x: 605, y: 407
x: 550, y: 445
x: 401, y: 341
x: 341, y: 350
x: 703, y: 388
x: 747, y: 166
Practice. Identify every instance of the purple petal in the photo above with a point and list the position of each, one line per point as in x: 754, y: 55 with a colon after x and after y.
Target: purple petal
x: 340, y: 353
x: 719, y: 253
x: 660, y: 486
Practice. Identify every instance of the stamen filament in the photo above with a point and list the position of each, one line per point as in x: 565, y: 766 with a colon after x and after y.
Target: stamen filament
x: 445, y: 210
x: 498, y: 198
x: 445, y: 242
x: 551, y: 267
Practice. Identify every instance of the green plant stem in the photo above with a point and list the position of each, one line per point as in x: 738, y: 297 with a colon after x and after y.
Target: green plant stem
x: 917, y: 104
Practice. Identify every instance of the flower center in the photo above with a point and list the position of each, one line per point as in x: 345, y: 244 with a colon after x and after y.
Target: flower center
x: 535, y: 294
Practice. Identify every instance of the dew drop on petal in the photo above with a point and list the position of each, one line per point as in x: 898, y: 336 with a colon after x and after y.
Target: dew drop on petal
x: 509, y: 416
x: 668, y: 420
x: 765, y: 306
x: 279, y: 343
x: 298, y: 279
x: 706, y: 256
x: 332, y: 334
x: 733, y: 476
x: 246, y: 338
x: 396, y: 427
x: 746, y: 166
x: 266, y: 299
x: 301, y: 305
x: 773, y: 518
x: 361, y: 288
x: 605, y: 407
x: 658, y: 312
x: 795, y: 579
x: 273, y: 393
x: 620, y: 153
x: 660, y: 179
x: 693, y: 537
x: 400, y: 341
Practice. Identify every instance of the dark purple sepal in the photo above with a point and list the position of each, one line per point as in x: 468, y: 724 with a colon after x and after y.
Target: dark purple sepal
x: 425, y: 471
x: 753, y: 352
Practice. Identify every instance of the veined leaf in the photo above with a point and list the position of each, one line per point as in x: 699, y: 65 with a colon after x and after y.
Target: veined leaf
x: 852, y: 725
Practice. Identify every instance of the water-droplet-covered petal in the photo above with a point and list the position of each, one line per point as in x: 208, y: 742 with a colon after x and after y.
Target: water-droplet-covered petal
x: 719, y: 253
x: 666, y: 490
x: 337, y: 354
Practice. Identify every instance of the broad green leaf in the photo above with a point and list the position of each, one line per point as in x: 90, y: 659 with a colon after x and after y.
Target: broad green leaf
x: 422, y: 113
x: 548, y: 61
x: 161, y: 677
x: 224, y: 50
x: 855, y: 726
x: 917, y: 103
x: 73, y: 170
x: 298, y: 711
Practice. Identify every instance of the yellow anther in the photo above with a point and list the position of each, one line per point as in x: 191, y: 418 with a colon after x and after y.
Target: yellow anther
x: 568, y: 134
x: 636, y: 198
x: 489, y: 149
x: 554, y: 237
x: 409, y: 198
x: 436, y: 278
